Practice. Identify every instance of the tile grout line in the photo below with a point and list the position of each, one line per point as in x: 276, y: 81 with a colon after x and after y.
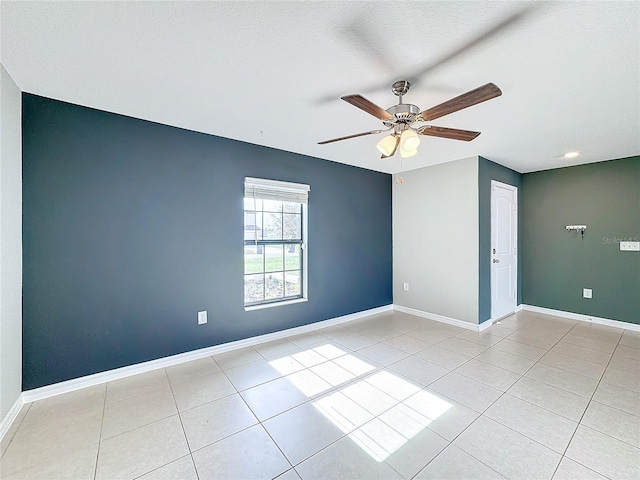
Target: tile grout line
x: 104, y: 410
x: 386, y: 367
x: 383, y: 367
x: 50, y: 459
x: 184, y: 432
x: 481, y: 413
x: 585, y: 411
x: 238, y: 392
x: 260, y: 422
x: 310, y: 399
x: 333, y: 389
x: 607, y: 435
x: 28, y: 405
x: 492, y: 403
x: 413, y: 355
x: 463, y: 451
x: 559, y: 368
x: 277, y: 446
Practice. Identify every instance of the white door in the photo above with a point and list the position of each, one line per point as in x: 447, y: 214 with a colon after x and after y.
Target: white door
x: 504, y: 240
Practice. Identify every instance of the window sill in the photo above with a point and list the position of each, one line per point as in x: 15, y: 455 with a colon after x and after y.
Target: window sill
x: 275, y: 304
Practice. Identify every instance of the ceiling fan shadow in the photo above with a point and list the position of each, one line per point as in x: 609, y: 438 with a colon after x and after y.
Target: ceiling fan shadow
x: 357, y: 33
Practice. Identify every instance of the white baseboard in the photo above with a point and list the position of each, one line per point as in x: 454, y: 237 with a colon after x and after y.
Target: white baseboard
x: 583, y: 318
x: 115, y: 374
x: 9, y: 418
x: 484, y: 325
x: 441, y: 318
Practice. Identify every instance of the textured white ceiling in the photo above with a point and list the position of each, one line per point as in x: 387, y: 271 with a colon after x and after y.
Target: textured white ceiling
x: 261, y: 72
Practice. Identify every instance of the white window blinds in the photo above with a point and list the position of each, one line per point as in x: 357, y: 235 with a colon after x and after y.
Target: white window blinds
x: 263, y: 189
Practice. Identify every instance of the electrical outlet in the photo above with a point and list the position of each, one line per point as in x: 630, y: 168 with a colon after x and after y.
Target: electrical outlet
x: 586, y: 293
x: 630, y: 246
x: 202, y: 317
x: 406, y: 287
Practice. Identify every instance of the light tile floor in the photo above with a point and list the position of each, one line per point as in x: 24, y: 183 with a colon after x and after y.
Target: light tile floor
x: 389, y: 396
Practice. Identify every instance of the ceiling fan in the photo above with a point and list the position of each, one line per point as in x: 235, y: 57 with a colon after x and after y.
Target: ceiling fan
x: 400, y: 119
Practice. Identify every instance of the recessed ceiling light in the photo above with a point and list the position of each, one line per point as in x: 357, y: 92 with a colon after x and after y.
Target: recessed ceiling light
x: 571, y: 154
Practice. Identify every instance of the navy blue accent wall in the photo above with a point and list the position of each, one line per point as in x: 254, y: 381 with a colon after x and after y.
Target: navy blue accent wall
x: 487, y: 171
x: 131, y: 227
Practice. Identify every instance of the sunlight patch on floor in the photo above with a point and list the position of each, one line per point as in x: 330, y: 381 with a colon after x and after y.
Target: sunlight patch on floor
x: 380, y: 412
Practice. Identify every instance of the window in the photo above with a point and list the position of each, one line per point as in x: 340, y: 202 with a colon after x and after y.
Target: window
x: 275, y: 227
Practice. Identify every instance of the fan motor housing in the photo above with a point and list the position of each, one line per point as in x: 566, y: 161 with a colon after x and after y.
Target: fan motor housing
x: 403, y: 113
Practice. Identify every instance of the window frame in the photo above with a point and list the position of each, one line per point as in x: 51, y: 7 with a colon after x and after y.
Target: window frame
x: 299, y: 191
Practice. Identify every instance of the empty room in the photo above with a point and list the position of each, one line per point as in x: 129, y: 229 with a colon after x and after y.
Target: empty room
x: 319, y: 240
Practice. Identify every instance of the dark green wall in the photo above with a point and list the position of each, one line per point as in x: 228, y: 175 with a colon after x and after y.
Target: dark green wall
x: 487, y: 171
x: 131, y: 227
x: 558, y: 264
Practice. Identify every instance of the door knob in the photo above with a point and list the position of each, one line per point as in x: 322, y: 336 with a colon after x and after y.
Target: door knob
x: 496, y: 260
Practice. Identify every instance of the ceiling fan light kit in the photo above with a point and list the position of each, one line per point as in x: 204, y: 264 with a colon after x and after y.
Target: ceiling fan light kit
x: 409, y: 140
x: 387, y: 145
x: 408, y: 153
x: 401, y: 117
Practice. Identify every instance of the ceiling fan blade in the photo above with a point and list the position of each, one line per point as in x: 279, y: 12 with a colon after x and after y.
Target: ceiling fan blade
x: 452, y: 133
x: 509, y: 22
x: 394, y: 149
x: 361, y: 34
x: 506, y: 23
x: 368, y: 106
x: 479, y: 95
x: 372, y: 132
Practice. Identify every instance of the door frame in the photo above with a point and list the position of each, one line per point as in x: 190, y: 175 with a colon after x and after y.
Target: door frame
x: 514, y: 189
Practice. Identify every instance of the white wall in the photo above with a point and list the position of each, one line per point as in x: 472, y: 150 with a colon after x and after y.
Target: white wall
x: 435, y: 240
x: 10, y: 243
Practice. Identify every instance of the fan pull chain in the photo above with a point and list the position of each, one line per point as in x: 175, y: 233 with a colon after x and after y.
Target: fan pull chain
x: 400, y: 180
